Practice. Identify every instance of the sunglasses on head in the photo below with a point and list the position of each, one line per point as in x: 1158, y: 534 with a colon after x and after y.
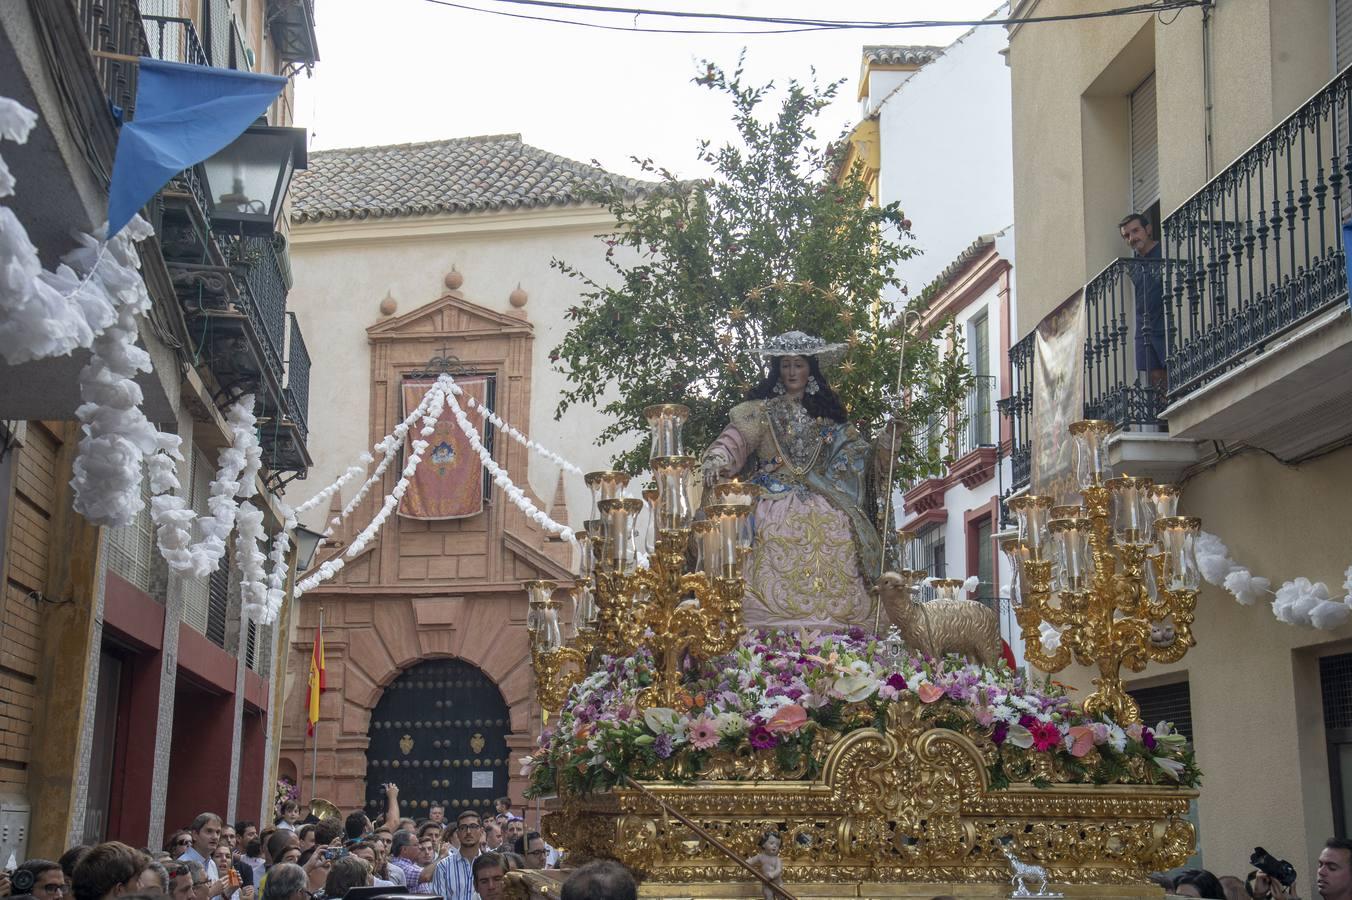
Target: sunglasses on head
x: 177, y: 871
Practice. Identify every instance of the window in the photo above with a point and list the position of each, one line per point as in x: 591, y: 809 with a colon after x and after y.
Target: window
x: 1166, y: 703
x: 196, y: 591
x: 979, y: 354
x: 1172, y: 703
x: 1145, y: 173
x: 130, y: 547
x: 927, y: 553
x: 980, y: 538
x: 1335, y: 684
x: 1342, y: 34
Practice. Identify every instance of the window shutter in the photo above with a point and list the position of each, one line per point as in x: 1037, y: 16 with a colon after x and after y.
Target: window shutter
x: 1145, y: 159
x: 196, y: 591
x: 130, y: 547
x: 1342, y: 34
x: 1166, y: 703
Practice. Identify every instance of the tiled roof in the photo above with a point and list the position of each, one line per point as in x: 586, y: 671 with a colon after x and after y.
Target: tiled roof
x: 901, y: 54
x: 471, y: 174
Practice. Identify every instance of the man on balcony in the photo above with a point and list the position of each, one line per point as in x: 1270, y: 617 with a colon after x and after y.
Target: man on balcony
x: 1146, y: 279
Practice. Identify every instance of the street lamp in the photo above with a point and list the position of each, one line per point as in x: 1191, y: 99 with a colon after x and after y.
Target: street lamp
x: 307, y: 542
x: 247, y: 181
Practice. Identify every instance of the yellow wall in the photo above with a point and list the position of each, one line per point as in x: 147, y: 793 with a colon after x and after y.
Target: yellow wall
x: 1254, y: 682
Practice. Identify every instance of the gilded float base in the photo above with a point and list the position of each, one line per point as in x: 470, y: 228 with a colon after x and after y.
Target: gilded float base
x: 915, y: 890
x: 546, y: 886
x: 905, y: 810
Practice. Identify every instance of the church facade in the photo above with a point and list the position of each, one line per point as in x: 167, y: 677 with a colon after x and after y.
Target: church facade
x: 412, y: 260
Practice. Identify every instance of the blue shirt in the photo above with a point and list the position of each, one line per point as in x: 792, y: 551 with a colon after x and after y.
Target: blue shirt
x: 454, y: 878
x: 208, y: 864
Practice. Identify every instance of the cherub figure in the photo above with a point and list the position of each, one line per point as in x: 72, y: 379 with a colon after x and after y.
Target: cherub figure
x: 769, y: 863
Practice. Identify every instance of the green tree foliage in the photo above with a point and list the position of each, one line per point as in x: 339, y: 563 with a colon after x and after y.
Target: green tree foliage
x: 706, y: 271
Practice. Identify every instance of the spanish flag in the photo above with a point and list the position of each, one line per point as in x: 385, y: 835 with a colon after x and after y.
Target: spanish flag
x: 316, y: 681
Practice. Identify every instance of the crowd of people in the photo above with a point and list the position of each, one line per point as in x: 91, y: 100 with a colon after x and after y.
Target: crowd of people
x: 292, y: 859
x: 1270, y: 879
x: 464, y: 859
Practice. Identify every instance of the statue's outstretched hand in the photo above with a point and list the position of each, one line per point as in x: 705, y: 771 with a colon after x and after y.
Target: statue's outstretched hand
x: 715, y: 461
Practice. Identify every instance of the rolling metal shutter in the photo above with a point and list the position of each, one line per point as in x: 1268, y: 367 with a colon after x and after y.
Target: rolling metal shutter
x: 1145, y: 157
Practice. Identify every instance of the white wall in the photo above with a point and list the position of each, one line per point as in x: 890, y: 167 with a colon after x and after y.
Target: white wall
x: 946, y: 152
x: 337, y: 294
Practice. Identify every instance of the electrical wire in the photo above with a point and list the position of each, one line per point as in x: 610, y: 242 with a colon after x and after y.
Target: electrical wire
x: 793, y: 25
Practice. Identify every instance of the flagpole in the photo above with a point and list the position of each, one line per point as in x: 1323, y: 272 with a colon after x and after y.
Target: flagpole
x: 314, y: 748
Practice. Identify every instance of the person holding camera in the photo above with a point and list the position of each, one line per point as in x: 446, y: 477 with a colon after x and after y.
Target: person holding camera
x: 1276, y: 878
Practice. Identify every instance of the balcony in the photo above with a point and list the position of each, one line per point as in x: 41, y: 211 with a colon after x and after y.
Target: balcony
x: 1018, y: 408
x: 292, y: 24
x: 974, y: 451
x: 231, y: 287
x: 1260, y: 337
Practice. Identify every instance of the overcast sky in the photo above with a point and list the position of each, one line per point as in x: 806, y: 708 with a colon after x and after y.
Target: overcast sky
x: 394, y: 71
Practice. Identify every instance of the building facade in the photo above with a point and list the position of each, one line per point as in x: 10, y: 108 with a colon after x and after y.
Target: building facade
x: 132, y: 699
x: 934, y: 138
x: 411, y: 259
x: 1226, y: 126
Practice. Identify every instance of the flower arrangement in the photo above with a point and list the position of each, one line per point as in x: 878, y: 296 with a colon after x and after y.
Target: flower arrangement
x: 781, y: 696
x: 284, y: 792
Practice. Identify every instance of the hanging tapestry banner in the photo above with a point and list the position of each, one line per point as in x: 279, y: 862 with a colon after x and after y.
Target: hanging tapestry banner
x: 1058, y: 399
x: 449, y: 484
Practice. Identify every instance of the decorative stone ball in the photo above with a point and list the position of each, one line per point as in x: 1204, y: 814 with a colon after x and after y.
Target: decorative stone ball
x: 454, y: 279
x: 388, y: 305
x: 518, y: 297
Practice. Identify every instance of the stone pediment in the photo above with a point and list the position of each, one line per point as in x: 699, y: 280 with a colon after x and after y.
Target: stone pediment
x: 450, y: 314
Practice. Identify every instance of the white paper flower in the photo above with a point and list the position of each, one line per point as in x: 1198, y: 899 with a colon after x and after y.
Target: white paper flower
x: 1213, y: 558
x: 1051, y: 638
x: 1296, y: 600
x: 1329, y: 614
x: 1248, y: 589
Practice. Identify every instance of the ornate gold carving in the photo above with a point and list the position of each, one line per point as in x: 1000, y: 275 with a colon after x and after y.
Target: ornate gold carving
x: 476, y: 743
x: 904, y: 802
x: 406, y: 744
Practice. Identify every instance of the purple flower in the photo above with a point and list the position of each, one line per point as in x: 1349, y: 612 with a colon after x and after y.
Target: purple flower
x: 761, y: 738
x: 794, y: 693
x: 1148, y: 738
x: 856, y: 633
x: 1027, y: 721
x: 1000, y: 732
x: 896, y: 681
x: 662, y: 746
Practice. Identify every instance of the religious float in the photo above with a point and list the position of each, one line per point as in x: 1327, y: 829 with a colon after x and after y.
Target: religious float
x: 763, y: 706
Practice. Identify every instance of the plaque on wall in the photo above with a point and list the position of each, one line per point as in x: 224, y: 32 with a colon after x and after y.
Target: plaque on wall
x: 482, y: 781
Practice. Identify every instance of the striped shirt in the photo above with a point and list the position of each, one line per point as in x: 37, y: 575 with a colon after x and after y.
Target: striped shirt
x: 454, y: 878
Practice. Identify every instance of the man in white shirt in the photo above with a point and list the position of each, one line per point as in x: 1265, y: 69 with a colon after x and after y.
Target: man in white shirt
x: 206, y: 834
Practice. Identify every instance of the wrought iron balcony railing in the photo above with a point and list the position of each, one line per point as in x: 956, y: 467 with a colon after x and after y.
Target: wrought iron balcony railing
x: 174, y: 39
x: 977, y: 417
x: 1259, y: 247
x: 263, y: 293
x: 1018, y: 408
x: 114, y: 26
x: 1117, y: 384
x: 297, y: 377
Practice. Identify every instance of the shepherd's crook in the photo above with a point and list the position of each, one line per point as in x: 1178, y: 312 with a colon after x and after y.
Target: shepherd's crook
x: 891, y: 464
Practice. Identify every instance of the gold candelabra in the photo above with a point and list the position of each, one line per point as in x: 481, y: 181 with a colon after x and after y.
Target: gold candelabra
x: 1116, y: 575
x: 666, y: 606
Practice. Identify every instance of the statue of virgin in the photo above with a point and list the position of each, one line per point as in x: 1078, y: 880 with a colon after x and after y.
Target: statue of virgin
x: 817, y: 550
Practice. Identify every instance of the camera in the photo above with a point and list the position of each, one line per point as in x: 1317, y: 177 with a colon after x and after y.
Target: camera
x: 331, y: 853
x: 21, y: 881
x: 1279, y: 869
